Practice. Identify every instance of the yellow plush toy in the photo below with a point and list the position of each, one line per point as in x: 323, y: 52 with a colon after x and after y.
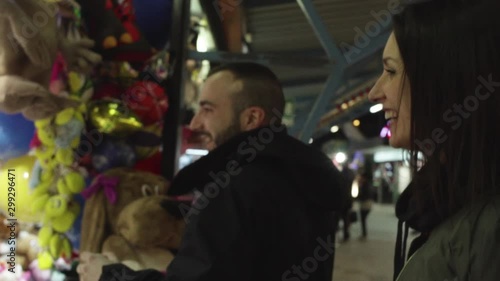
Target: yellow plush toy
x: 58, y: 183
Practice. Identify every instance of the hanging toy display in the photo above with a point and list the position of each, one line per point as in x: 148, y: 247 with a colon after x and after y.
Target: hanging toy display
x: 58, y: 178
x: 127, y: 109
x: 59, y: 181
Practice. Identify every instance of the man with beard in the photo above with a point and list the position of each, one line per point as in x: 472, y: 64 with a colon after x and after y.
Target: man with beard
x: 266, y: 203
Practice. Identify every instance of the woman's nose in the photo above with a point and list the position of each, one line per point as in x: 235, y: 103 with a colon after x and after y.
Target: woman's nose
x: 376, y: 94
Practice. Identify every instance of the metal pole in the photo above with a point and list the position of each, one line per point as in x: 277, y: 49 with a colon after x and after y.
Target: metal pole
x: 321, y: 31
x: 336, y: 76
x: 331, y: 87
x: 172, y: 131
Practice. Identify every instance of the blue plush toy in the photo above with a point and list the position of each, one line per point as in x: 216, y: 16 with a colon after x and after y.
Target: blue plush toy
x: 154, y: 18
x: 15, y: 136
x: 68, y: 132
x: 112, y: 154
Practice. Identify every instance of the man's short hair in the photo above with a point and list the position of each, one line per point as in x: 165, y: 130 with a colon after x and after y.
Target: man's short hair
x: 261, y: 88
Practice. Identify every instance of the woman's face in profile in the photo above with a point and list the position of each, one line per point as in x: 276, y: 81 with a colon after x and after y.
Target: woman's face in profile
x: 393, y: 95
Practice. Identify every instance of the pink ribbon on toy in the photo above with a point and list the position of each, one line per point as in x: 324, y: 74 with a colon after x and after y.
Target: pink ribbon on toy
x: 107, y: 184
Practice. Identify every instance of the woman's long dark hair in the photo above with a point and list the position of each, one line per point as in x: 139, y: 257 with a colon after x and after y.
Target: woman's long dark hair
x: 449, y: 48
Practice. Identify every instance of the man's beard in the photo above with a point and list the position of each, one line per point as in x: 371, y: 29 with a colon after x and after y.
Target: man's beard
x: 231, y: 131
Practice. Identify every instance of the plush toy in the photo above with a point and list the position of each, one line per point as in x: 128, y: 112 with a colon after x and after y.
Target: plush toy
x: 151, y: 164
x: 146, y: 232
x: 125, y: 12
x: 32, y: 42
x: 24, y: 241
x: 112, y: 153
x: 57, y: 182
x: 15, y: 136
x: 59, y: 136
x: 5, y: 232
x: 27, y: 248
x: 147, y: 100
x: 147, y: 142
x: 128, y: 214
x: 111, y: 23
x: 104, y: 26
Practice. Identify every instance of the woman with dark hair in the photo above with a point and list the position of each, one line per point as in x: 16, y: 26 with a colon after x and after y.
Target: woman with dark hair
x: 440, y: 89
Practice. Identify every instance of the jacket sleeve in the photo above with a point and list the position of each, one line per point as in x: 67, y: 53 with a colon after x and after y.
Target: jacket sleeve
x: 123, y: 273
x: 485, y: 252
x: 215, y: 245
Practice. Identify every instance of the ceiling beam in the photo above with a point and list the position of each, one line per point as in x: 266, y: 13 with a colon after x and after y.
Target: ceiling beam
x: 262, y: 58
x: 321, y: 31
x: 336, y: 76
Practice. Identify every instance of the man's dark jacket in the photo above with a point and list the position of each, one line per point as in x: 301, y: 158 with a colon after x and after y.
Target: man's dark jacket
x: 267, y: 211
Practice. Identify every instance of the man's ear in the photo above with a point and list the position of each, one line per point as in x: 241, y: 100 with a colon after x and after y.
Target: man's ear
x: 252, y: 118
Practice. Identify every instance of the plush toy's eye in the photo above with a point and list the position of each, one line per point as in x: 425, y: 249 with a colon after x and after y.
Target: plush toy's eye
x: 147, y: 190
x: 157, y: 189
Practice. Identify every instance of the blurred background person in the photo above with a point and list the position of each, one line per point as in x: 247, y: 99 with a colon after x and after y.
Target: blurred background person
x: 365, y: 198
x: 349, y: 176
